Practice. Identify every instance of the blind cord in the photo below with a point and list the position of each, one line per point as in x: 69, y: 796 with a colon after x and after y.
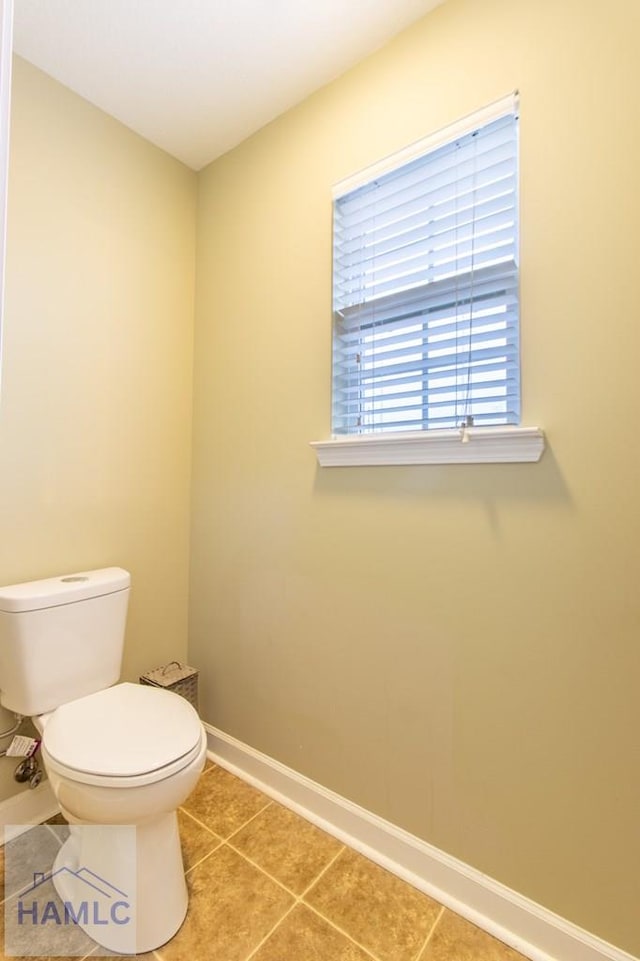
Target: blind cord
x: 467, y: 416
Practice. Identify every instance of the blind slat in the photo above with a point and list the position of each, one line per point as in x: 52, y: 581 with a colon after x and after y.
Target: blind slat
x: 444, y: 267
x: 489, y: 213
x: 452, y: 362
x: 438, y: 350
x: 443, y: 248
x: 438, y: 299
x: 444, y: 165
x: 443, y: 321
x: 429, y: 207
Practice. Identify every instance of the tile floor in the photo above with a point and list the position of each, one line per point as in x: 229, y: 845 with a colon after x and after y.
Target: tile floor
x: 266, y: 885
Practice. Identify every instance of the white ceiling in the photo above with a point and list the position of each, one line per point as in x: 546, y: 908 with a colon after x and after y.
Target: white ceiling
x: 196, y: 77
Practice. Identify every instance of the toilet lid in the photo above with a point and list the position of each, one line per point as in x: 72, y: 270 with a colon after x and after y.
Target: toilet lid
x: 123, y: 731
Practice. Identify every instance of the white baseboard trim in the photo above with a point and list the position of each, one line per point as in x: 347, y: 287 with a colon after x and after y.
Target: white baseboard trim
x: 527, y: 927
x: 27, y: 808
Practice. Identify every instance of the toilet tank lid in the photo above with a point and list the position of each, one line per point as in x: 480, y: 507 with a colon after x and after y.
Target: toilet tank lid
x: 65, y: 589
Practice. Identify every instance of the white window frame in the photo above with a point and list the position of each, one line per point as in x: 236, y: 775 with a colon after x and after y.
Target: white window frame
x: 468, y: 444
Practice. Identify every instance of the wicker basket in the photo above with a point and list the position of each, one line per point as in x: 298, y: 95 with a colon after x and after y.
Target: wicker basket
x: 176, y: 677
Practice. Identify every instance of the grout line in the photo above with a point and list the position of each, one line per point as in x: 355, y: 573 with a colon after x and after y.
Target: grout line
x: 341, y: 931
x: 298, y: 901
x: 7, y: 896
x: 215, y: 837
x: 252, y: 953
x: 55, y: 834
x: 235, y: 830
x: 204, y: 858
x: 298, y: 897
x: 262, y: 870
x: 15, y: 895
x: 200, y: 823
x: 429, y: 935
x: 323, y: 872
x: 346, y: 934
x: 12, y: 895
x: 252, y: 818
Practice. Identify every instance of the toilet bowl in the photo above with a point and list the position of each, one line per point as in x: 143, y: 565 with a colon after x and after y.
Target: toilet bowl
x: 127, y: 755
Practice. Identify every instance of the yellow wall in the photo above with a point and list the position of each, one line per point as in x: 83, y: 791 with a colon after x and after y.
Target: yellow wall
x: 455, y: 648
x: 95, y: 404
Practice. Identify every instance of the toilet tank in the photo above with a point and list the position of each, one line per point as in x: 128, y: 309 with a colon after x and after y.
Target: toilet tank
x: 61, y: 638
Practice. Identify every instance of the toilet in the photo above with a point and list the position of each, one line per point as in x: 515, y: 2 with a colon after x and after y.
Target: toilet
x: 118, y: 755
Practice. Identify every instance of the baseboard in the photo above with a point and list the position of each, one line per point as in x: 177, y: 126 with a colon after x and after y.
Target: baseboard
x: 527, y: 927
x: 27, y: 808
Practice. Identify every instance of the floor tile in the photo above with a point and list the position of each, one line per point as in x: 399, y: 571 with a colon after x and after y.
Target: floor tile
x: 196, y: 841
x: 57, y: 819
x: 37, y: 848
x: 103, y: 953
x: 303, y: 936
x: 223, y: 803
x: 59, y: 826
x: 37, y: 940
x: 378, y: 910
x: 33, y: 850
x: 100, y: 952
x: 290, y: 849
x: 239, y: 908
x: 233, y: 907
x: 455, y: 939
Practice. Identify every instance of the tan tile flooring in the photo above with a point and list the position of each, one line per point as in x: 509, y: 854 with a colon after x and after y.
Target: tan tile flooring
x: 266, y: 885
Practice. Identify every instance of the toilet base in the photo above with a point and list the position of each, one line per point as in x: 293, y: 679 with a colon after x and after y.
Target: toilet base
x: 118, y: 918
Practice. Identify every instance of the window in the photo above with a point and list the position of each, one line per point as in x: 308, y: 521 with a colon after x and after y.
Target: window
x: 425, y: 285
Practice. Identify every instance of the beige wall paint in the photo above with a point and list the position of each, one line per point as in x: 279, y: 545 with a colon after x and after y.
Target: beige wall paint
x: 455, y: 648
x: 95, y: 405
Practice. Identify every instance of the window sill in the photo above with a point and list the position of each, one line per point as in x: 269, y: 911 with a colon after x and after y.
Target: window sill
x: 474, y: 445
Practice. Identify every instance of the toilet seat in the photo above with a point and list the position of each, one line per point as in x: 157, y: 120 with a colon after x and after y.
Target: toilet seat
x: 124, y: 736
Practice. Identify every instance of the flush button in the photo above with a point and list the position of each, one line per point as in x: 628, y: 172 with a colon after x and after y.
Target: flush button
x: 74, y: 579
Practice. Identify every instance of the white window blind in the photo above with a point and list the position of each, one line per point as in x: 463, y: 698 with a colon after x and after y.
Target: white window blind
x: 425, y: 295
